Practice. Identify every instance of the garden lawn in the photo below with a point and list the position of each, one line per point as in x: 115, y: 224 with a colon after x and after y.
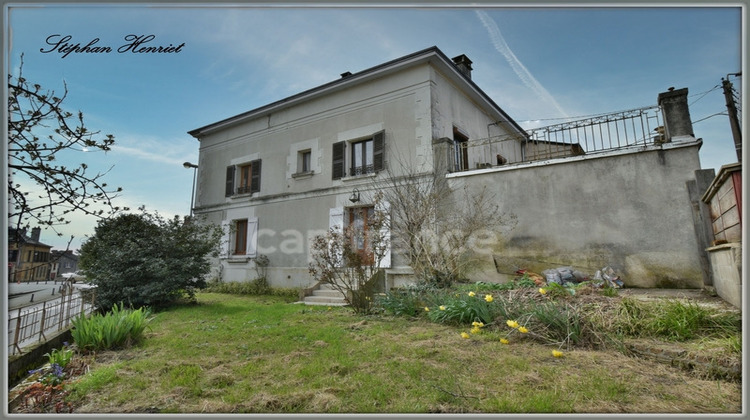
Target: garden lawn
x: 250, y: 354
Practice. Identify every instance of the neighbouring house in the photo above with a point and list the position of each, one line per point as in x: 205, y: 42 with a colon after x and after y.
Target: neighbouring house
x: 278, y: 175
x: 724, y: 200
x: 28, y: 258
x: 63, y: 262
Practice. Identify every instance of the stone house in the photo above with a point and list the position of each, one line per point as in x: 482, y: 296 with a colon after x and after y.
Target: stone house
x: 63, y: 262
x: 278, y: 175
x: 28, y: 258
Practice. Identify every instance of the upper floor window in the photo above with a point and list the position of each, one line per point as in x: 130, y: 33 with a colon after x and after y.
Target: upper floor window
x: 365, y: 156
x: 243, y: 179
x: 461, y: 152
x: 304, y: 161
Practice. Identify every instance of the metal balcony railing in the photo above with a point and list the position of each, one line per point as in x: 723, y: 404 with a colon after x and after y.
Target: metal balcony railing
x: 596, y: 134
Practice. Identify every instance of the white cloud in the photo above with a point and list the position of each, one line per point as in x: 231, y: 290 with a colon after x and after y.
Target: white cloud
x: 496, y: 37
x: 154, y: 156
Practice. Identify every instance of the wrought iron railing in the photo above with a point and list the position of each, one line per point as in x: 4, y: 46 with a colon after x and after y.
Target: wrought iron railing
x: 636, y: 127
x: 362, y: 170
x: 596, y: 134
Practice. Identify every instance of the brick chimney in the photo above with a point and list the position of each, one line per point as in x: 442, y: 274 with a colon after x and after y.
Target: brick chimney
x: 677, y: 122
x: 35, y: 233
x: 464, y: 64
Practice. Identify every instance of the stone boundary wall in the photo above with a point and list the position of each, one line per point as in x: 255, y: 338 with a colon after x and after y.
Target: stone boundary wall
x: 626, y: 209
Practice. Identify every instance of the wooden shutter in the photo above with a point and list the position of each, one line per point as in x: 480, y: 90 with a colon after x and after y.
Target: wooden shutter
x: 255, y: 176
x: 336, y: 222
x: 251, y: 249
x: 230, y: 181
x: 385, y: 234
x: 378, y: 150
x: 339, y: 160
x: 226, y: 229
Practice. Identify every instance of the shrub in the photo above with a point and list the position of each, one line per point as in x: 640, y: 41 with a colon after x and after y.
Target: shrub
x: 117, y: 328
x: 146, y: 260
x: 255, y: 287
x: 410, y: 300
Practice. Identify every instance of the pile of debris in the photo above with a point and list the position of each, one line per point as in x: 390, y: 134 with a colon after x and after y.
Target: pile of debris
x: 567, y: 276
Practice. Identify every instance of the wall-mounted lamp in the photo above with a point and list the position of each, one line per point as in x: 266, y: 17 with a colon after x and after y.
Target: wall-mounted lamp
x: 188, y: 165
x: 355, y: 196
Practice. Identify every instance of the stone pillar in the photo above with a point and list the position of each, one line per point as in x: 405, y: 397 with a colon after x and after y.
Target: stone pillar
x: 442, y: 155
x: 676, y: 114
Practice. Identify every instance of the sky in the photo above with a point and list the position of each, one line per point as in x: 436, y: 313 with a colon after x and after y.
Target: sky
x: 540, y: 64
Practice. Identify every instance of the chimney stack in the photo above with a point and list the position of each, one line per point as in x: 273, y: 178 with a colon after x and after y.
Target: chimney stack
x: 464, y: 64
x: 35, y: 233
x: 676, y: 113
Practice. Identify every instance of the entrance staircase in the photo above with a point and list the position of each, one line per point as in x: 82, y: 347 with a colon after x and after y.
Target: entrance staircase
x: 325, y: 295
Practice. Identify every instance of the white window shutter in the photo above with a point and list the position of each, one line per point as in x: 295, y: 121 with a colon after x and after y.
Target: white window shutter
x: 252, y: 238
x: 336, y: 218
x: 225, y: 238
x: 385, y: 233
x: 336, y: 221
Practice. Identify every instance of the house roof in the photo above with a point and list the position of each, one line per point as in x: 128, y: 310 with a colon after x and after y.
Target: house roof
x: 431, y: 55
x: 66, y: 254
x: 19, y: 236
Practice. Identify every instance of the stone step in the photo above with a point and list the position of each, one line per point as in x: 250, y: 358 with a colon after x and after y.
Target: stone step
x: 325, y: 300
x: 327, y: 293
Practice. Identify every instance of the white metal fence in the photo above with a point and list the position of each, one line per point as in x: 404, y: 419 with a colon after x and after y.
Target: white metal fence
x: 34, y: 323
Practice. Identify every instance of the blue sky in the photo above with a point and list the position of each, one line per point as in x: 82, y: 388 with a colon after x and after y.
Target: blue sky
x: 539, y: 64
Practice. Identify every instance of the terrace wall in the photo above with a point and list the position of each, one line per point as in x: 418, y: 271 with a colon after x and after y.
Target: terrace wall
x: 628, y: 209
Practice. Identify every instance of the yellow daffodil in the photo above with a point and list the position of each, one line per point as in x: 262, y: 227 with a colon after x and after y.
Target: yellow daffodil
x: 512, y: 324
x: 522, y: 330
x: 329, y: 308
x: 426, y: 309
x: 442, y: 307
x: 472, y: 294
x: 542, y: 291
x: 465, y: 335
x: 475, y: 330
x: 478, y: 324
x: 504, y: 341
x: 488, y: 298
x: 557, y: 353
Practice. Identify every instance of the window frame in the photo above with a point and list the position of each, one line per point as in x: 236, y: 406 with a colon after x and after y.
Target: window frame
x: 304, y: 161
x: 359, y: 151
x: 240, y: 237
x: 343, y: 161
x: 461, y: 150
x: 365, y: 213
x: 244, y: 178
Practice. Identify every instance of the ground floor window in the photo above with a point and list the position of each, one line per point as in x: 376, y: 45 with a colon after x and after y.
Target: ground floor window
x: 240, y: 237
x: 359, y: 221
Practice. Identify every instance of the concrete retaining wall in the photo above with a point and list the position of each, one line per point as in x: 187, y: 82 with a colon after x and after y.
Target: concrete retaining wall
x: 726, y: 267
x: 629, y: 210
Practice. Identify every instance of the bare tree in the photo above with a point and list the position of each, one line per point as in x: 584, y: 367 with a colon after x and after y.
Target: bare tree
x: 440, y: 230
x: 41, y: 190
x: 349, y: 259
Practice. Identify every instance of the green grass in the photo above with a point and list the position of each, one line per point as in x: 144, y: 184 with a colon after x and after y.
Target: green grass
x: 674, y: 320
x: 260, y: 354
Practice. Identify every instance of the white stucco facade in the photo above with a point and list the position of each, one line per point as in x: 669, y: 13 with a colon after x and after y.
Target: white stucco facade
x: 280, y: 160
